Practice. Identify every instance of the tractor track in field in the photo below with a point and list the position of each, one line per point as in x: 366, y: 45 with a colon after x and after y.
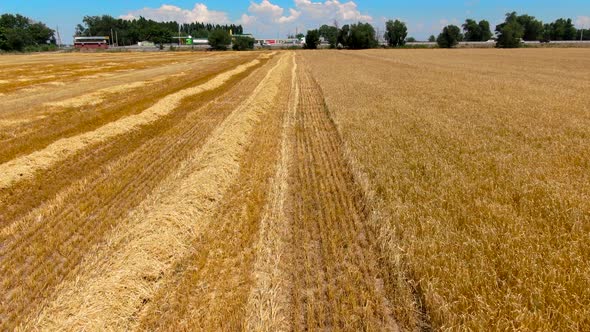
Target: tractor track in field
x: 48, y: 243
x: 36, y: 81
x: 239, y: 210
x: 210, y: 286
x: 29, y: 193
x: 37, y: 126
x: 337, y: 280
x: 269, y: 301
x: 25, y: 166
x: 163, y: 226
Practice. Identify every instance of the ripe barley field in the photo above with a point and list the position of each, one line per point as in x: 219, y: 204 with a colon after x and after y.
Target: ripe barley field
x: 378, y: 190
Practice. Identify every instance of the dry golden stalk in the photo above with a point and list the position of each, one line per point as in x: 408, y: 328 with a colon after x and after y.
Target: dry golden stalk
x: 25, y: 166
x: 268, y: 307
x: 101, y: 199
x: 160, y: 229
x: 480, y: 159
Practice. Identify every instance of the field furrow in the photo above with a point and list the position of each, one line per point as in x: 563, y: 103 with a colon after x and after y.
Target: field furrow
x: 58, y: 232
x: 28, y: 131
x: 34, y: 77
x: 141, y: 251
x: 336, y: 278
x: 25, y: 166
x: 478, y: 175
x: 28, y: 194
x: 269, y: 302
x: 17, y: 105
x: 210, y: 286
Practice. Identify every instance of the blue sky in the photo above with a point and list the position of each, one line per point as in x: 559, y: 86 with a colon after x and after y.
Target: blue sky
x: 276, y: 18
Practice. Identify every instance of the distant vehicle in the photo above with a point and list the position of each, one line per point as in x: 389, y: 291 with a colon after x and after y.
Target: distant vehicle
x: 97, y: 42
x: 146, y: 44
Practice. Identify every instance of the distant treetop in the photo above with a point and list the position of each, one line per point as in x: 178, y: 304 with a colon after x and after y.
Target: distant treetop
x: 19, y: 33
x: 130, y: 32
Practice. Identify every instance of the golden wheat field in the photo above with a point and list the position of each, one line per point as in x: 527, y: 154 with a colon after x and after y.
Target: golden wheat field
x: 378, y: 190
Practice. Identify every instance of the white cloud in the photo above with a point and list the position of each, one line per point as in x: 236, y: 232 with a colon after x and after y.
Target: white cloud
x: 583, y: 21
x: 247, y: 19
x: 267, y: 12
x: 199, y: 13
x: 331, y: 10
x: 265, y: 8
x: 294, y: 15
x: 267, y: 18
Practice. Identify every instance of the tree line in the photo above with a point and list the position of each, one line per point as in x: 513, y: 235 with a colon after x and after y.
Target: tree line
x: 20, y: 33
x: 515, y: 29
x: 129, y: 32
x: 510, y: 33
x: 221, y: 40
x: 354, y: 36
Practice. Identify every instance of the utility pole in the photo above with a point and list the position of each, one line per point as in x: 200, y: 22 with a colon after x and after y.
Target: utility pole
x: 112, y: 37
x: 117, y: 37
x: 58, y: 37
x: 179, y: 34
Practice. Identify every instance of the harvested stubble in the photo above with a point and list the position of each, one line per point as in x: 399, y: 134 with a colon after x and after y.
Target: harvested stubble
x: 72, y: 67
x: 336, y: 277
x: 28, y: 193
x: 269, y: 302
x: 209, y: 287
x: 142, y: 250
x: 71, y: 120
x: 480, y: 161
x: 102, y: 197
x: 272, y: 202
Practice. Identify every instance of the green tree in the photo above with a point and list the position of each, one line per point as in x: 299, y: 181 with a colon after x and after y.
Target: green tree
x: 344, y: 35
x: 219, y: 39
x: 533, y: 28
x: 486, y: 32
x: 449, y: 37
x: 561, y: 29
x: 432, y: 38
x: 19, y: 33
x: 3, y: 41
x: 362, y: 36
x: 472, y: 30
x: 243, y: 43
x: 546, y: 34
x: 411, y: 40
x: 395, y: 33
x: 510, y: 32
x: 159, y: 35
x: 477, y: 31
x: 510, y: 35
x: 312, y: 39
x: 140, y: 29
x: 16, y: 40
x: 330, y: 34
